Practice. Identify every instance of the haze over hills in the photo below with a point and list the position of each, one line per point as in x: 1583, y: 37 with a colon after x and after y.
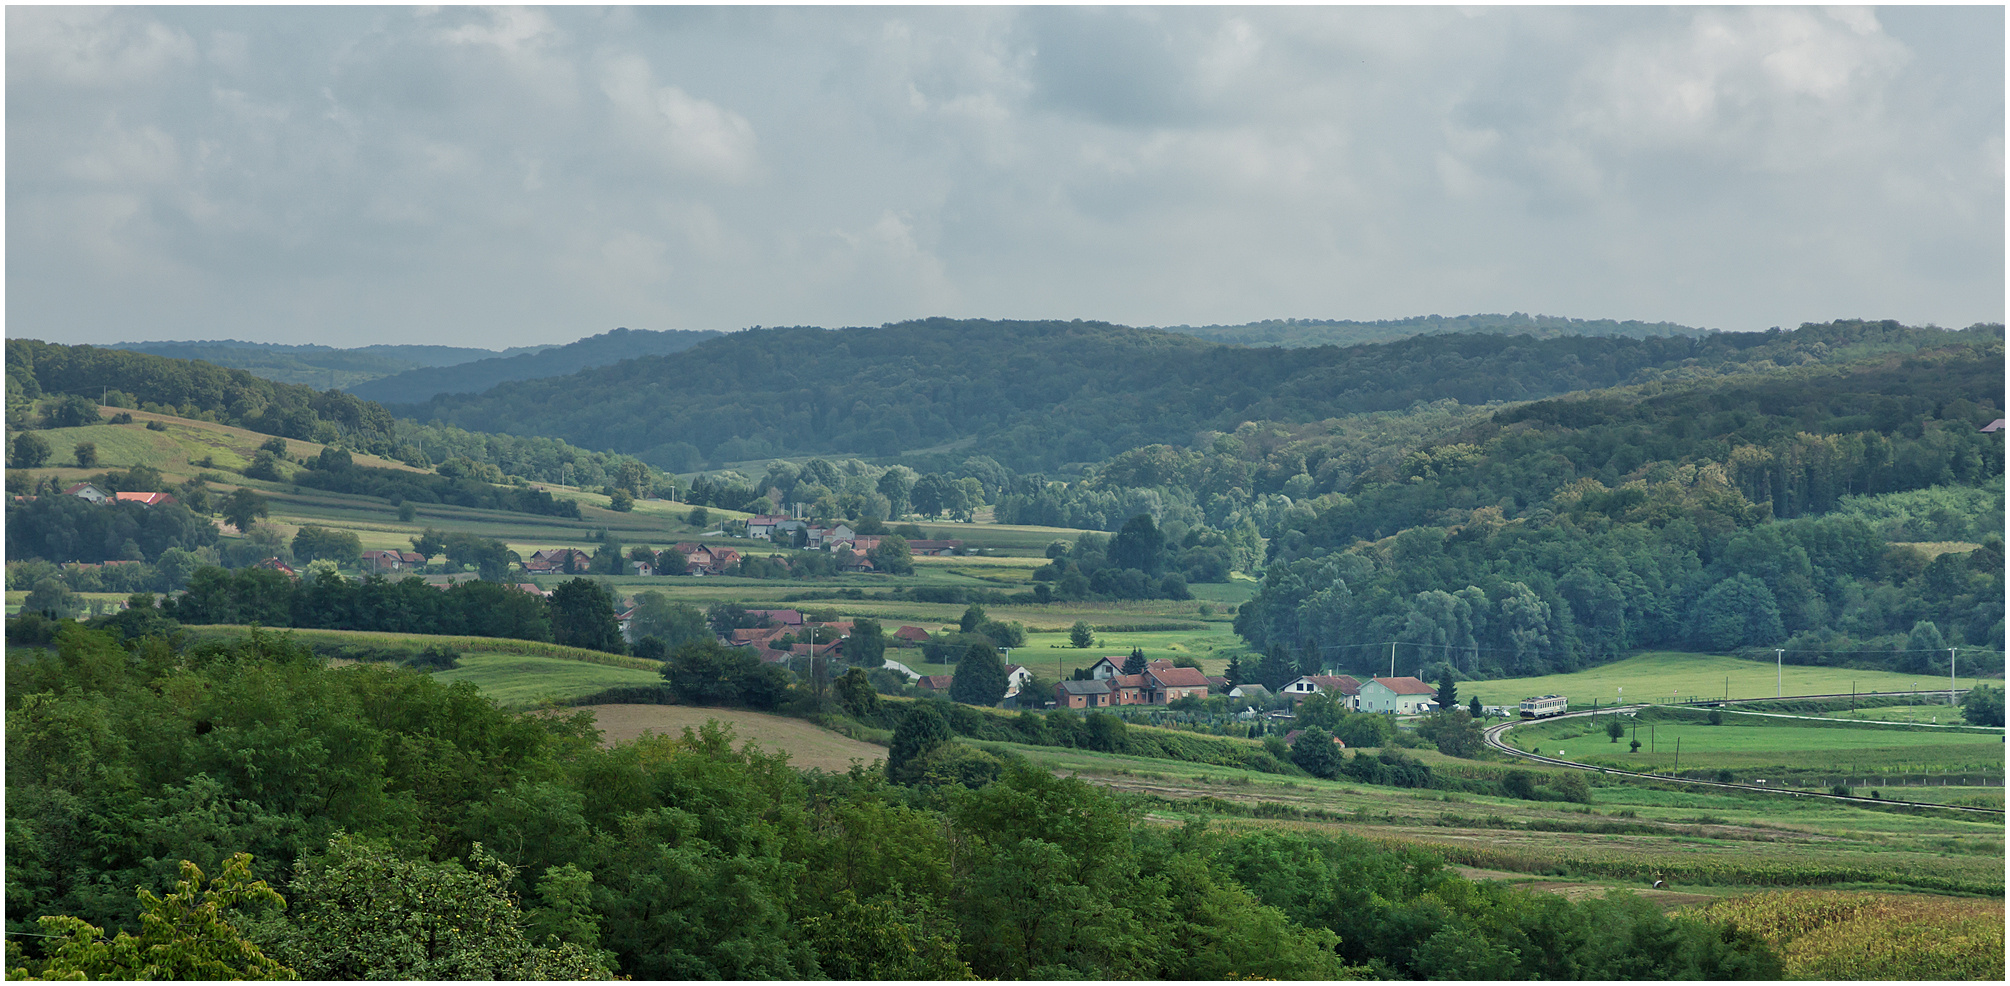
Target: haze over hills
x: 1040, y: 395
x: 317, y: 366
x: 482, y: 374
x: 1300, y: 332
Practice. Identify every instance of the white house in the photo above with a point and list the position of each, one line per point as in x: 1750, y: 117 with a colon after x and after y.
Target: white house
x: 1343, y: 689
x: 1402, y: 696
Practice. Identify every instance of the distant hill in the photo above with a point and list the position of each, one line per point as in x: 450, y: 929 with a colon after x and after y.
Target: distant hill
x: 482, y: 374
x: 1295, y: 333
x: 321, y: 367
x: 1039, y: 395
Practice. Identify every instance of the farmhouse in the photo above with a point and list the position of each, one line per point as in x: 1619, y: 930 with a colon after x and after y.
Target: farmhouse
x: 935, y: 682
x: 1343, y: 688
x: 1170, y: 684
x: 88, y: 492
x: 911, y: 635
x: 145, y: 499
x: 1091, y: 694
x: 276, y: 565
x: 559, y: 561
x: 785, y: 617
x: 1403, y: 696
x: 387, y: 560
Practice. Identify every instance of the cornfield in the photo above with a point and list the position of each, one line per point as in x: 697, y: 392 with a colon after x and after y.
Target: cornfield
x: 1837, y: 935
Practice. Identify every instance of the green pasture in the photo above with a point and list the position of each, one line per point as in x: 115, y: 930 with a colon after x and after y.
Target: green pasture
x: 1630, y: 833
x: 1930, y: 709
x: 1751, y: 744
x: 1662, y: 676
x: 523, y: 680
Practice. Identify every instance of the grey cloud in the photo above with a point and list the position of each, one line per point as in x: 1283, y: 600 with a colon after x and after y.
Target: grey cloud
x: 369, y: 174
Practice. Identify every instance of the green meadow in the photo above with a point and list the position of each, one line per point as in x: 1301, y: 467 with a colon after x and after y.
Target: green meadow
x: 524, y: 680
x: 1664, y: 676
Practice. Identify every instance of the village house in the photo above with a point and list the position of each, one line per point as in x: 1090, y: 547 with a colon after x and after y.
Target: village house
x: 1092, y: 694
x: 912, y: 636
x: 1170, y: 684
x: 555, y: 562
x: 1343, y: 689
x: 935, y: 682
x: 88, y: 492
x: 1402, y: 696
x: 387, y: 560
x: 829, y: 537
x: 276, y: 565
x: 773, y: 527
x: 145, y: 499
x: 704, y: 560
x: 1251, y: 692
x: 785, y: 617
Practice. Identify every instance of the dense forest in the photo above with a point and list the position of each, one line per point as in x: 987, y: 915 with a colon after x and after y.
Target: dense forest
x: 1040, y: 395
x: 1744, y: 512
x: 415, y: 830
x: 1301, y: 332
x: 482, y: 374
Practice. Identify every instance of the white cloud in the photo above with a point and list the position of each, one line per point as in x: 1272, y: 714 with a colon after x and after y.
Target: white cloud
x: 685, y: 132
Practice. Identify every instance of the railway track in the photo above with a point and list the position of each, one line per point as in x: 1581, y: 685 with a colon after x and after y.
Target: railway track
x: 1493, y: 739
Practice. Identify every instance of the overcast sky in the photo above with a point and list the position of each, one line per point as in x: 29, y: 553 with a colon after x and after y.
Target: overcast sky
x: 491, y: 178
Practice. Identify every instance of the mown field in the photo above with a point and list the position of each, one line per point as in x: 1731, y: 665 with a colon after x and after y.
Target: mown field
x: 523, y: 680
x: 1662, y: 676
x: 1755, y: 746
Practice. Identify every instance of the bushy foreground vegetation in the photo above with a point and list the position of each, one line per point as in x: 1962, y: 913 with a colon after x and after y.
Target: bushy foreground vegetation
x: 516, y: 846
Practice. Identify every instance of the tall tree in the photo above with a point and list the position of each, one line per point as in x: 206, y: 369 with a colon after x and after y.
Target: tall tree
x: 1448, y: 691
x: 980, y: 677
x: 1135, y: 663
x: 582, y: 615
x: 865, y: 648
x: 919, y: 732
x: 1140, y: 545
x: 243, y: 506
x: 973, y: 617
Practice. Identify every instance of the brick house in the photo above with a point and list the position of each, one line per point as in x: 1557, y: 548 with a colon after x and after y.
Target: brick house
x: 1170, y: 684
x: 1082, y: 695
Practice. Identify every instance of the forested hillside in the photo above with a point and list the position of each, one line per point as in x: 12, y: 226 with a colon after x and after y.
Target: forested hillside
x: 1038, y: 395
x: 1753, y: 511
x: 1301, y: 332
x: 481, y: 374
x: 317, y: 366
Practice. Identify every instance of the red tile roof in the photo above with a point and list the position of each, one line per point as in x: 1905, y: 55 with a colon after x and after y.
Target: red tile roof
x: 1407, y: 685
x: 146, y: 499
x: 1179, y: 678
x: 936, y: 682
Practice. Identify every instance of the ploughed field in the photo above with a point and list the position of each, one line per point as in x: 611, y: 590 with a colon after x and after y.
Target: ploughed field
x: 807, y: 745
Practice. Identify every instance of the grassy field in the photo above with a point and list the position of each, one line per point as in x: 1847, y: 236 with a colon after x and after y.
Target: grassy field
x: 1658, y: 676
x: 522, y: 680
x: 1753, y: 745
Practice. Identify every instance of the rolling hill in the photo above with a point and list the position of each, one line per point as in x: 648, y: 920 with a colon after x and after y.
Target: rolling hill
x: 482, y: 374
x: 323, y: 367
x: 1042, y: 395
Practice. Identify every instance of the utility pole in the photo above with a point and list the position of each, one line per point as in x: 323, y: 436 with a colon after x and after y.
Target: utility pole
x: 1950, y: 676
x: 1678, y: 756
x: 1779, y: 670
x: 1392, y: 659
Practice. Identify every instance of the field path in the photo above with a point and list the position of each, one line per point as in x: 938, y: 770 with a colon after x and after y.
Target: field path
x: 807, y: 745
